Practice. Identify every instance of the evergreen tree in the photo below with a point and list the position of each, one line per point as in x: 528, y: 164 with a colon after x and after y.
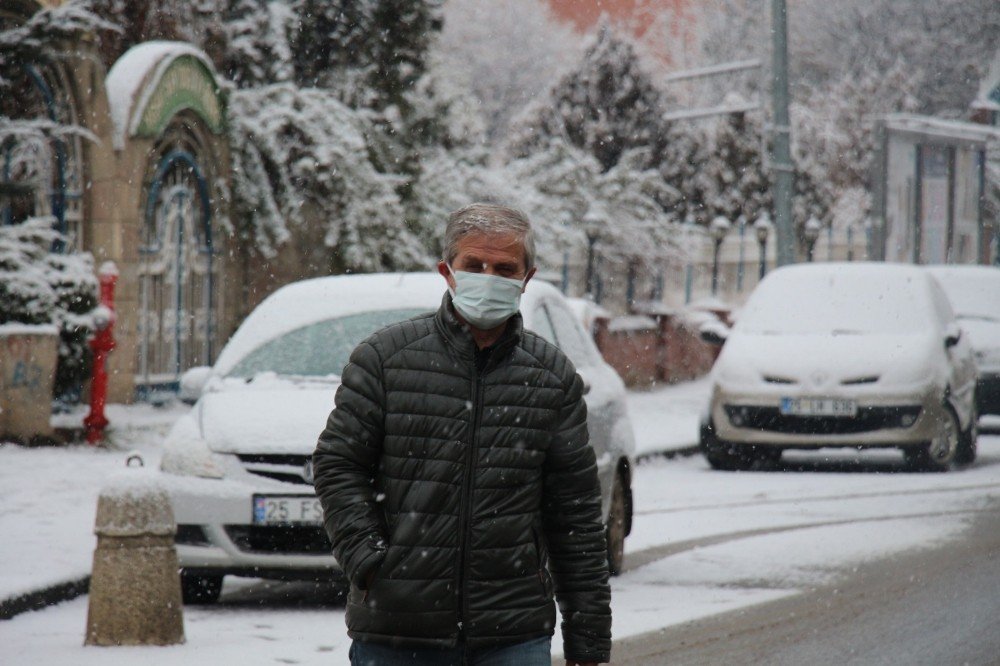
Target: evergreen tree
x: 737, y: 183
x: 604, y: 106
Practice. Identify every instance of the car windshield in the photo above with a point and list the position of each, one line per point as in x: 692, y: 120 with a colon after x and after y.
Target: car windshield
x: 317, y: 350
x: 973, y: 296
x: 837, y: 304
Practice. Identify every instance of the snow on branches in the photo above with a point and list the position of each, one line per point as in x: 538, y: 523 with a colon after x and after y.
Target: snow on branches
x: 300, y: 155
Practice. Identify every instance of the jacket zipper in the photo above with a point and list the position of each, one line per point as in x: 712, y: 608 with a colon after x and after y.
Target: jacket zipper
x: 465, y: 519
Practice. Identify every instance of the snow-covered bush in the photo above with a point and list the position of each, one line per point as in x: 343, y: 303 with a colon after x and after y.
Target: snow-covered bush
x: 38, y: 286
x: 300, y: 156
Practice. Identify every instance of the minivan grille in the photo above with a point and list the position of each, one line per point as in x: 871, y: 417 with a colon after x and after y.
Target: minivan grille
x: 285, y: 539
x: 868, y: 419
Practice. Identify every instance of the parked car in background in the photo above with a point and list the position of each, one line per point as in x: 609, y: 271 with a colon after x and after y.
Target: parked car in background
x: 239, y: 465
x: 845, y: 355
x: 974, y: 293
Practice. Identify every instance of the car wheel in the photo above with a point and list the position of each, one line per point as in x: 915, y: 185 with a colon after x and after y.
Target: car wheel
x: 200, y: 589
x: 966, y: 452
x: 617, y: 520
x: 731, y: 457
x: 942, y: 450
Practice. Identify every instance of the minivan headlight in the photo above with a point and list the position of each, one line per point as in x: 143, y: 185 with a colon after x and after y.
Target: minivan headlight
x: 185, y: 453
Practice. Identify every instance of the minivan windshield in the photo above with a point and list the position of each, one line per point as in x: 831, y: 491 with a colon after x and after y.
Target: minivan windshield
x: 832, y: 303
x: 317, y: 350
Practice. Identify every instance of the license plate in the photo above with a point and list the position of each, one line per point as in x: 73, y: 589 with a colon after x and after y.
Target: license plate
x: 286, y: 510
x: 818, y: 407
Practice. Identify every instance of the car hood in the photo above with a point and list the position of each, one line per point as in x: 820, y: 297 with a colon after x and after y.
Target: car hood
x: 265, y: 420
x: 824, y: 361
x: 983, y: 335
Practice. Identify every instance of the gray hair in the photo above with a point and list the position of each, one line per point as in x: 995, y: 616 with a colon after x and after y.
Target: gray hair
x: 490, y: 219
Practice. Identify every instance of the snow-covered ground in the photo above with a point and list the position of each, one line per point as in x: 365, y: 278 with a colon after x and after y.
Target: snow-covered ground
x: 666, y: 417
x: 703, y: 541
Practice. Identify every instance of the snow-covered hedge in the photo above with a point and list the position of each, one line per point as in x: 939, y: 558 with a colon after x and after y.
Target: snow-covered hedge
x: 38, y: 286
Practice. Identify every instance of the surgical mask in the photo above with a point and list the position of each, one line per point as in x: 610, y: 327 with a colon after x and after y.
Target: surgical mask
x: 485, y: 301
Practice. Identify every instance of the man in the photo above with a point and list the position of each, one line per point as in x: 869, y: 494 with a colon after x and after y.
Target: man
x: 455, y: 474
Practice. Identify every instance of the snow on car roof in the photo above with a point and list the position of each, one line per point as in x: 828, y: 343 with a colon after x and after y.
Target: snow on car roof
x: 973, y: 290
x: 841, y: 296
x: 309, y: 301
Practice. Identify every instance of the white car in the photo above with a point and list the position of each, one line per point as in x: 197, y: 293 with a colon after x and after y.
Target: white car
x: 847, y: 355
x: 974, y: 292
x: 239, y: 464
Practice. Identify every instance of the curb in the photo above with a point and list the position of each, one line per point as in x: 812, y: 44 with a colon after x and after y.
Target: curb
x: 47, y: 596
x: 682, y: 452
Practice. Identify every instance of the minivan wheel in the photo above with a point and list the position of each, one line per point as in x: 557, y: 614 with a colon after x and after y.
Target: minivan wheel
x: 616, y: 526
x: 966, y: 452
x: 942, y: 450
x: 200, y: 589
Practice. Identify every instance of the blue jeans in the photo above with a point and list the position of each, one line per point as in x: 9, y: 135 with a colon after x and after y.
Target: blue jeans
x: 537, y: 652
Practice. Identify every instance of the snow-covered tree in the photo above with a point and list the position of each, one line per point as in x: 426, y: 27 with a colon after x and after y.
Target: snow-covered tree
x: 606, y: 105
x: 737, y: 184
x: 623, y: 205
x: 252, y: 42
x: 300, y: 156
x: 501, y: 55
x: 946, y: 46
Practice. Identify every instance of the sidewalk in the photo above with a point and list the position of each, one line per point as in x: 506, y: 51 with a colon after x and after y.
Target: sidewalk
x: 666, y: 418
x: 48, y: 501
x: 48, y: 495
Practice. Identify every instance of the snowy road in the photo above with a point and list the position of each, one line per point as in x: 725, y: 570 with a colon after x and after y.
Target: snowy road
x: 703, y: 543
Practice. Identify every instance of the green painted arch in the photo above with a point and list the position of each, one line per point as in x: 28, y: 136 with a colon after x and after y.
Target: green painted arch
x: 186, y: 84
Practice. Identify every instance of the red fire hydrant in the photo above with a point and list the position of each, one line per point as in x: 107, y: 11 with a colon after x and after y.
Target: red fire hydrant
x: 101, y: 344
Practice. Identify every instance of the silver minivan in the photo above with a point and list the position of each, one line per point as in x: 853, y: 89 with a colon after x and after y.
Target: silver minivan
x: 843, y: 355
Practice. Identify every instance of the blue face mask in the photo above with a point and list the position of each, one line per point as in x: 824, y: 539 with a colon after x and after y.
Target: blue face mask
x: 485, y: 301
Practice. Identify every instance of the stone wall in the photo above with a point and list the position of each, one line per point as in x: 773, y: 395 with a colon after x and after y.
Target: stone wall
x: 28, y: 357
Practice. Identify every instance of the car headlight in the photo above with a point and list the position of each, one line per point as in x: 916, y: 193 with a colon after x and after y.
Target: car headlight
x: 185, y: 453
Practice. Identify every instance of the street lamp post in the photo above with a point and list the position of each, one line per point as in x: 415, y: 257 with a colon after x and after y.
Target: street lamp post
x: 812, y: 231
x: 762, y: 227
x: 719, y: 227
x: 850, y: 242
x: 741, y: 224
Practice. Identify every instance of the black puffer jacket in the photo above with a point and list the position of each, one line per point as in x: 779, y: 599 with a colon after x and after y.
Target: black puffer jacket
x: 457, y: 491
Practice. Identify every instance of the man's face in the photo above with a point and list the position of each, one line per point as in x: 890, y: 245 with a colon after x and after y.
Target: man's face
x: 501, y: 255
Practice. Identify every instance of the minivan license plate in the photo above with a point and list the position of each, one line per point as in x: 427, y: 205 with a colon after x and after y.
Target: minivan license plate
x: 286, y: 509
x: 818, y: 407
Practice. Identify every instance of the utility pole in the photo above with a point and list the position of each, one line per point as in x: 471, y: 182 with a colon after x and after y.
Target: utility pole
x: 781, y: 159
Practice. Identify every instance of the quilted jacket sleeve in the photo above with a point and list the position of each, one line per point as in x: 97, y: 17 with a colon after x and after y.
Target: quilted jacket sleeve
x: 345, y: 463
x: 575, y: 534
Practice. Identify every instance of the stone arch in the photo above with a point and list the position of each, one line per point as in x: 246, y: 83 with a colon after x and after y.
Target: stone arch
x: 168, y: 114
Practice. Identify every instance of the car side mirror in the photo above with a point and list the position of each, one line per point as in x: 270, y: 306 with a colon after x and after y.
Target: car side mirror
x: 192, y: 384
x: 952, y: 334
x: 714, y: 334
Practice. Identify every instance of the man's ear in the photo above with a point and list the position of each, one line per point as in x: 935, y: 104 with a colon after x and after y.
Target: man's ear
x: 527, y: 277
x: 443, y: 269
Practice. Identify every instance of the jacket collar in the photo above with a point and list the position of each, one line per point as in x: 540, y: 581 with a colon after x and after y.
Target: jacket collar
x: 458, y: 337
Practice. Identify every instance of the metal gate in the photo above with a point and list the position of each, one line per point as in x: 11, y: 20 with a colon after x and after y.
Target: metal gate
x: 177, y: 277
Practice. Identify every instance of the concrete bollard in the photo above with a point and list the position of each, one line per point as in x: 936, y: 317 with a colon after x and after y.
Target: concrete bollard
x: 135, y: 587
